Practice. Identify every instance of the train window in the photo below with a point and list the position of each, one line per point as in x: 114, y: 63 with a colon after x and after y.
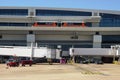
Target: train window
x: 45, y: 24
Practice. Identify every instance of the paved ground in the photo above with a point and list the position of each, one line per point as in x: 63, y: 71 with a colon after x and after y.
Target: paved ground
x: 61, y: 72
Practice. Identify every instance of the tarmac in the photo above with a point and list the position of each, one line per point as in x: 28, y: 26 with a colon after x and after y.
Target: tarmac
x: 44, y: 71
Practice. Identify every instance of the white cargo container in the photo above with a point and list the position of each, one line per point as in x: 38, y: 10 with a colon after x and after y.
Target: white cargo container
x: 90, y: 52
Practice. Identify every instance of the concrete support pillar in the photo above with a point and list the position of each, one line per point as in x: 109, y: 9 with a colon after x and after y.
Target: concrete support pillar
x: 97, y: 39
x: 30, y: 39
x: 95, y: 24
x: 31, y: 43
x: 31, y: 12
x: 31, y: 16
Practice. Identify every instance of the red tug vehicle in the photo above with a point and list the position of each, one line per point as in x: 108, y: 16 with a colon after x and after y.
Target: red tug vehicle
x: 16, y: 63
x: 12, y: 63
x: 28, y: 62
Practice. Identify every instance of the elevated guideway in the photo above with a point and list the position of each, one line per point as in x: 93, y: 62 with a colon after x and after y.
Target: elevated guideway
x: 60, y: 28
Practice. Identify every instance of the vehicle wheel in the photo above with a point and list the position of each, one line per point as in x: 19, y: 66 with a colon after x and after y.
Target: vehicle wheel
x: 96, y: 62
x: 23, y: 65
x: 81, y: 62
x: 50, y: 63
x: 30, y: 65
x: 18, y: 65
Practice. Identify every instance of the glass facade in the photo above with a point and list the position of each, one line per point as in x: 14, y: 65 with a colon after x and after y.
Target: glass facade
x: 108, y: 40
x: 41, y: 12
x: 17, y: 12
x: 111, y: 38
x: 109, y: 20
x: 13, y: 42
x: 65, y: 45
x: 13, y: 24
x: 88, y: 24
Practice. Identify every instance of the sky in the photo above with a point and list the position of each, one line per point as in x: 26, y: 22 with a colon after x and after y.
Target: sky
x: 84, y: 4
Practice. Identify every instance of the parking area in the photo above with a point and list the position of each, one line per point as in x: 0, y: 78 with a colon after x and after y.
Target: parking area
x: 44, y: 71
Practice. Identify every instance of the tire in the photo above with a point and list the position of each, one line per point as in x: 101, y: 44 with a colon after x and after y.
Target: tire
x: 50, y: 63
x: 23, y: 65
x: 30, y: 65
x: 18, y: 65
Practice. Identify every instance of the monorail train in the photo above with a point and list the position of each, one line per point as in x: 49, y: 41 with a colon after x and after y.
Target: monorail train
x: 59, y: 24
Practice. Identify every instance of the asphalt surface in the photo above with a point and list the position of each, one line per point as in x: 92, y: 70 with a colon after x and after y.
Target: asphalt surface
x: 61, y: 72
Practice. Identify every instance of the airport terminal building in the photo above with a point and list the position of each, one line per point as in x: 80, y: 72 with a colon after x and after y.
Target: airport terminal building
x: 59, y: 27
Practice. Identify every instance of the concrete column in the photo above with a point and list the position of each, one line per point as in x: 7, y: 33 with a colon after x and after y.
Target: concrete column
x: 97, y: 39
x: 95, y: 14
x: 31, y: 12
x: 95, y: 24
x: 31, y: 43
x: 30, y: 39
x: 31, y: 16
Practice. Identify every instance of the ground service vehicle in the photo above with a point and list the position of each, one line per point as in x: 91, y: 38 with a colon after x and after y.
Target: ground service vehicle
x: 26, y: 62
x: 98, y: 62
x: 12, y: 63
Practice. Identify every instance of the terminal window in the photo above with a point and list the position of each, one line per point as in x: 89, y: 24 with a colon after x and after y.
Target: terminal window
x: 109, y: 20
x: 40, y: 12
x: 14, y: 12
